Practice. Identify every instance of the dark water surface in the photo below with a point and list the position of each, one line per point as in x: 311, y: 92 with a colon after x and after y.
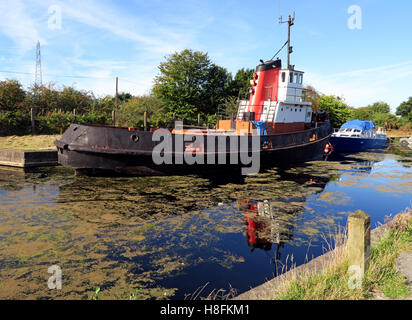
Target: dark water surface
x: 166, y: 237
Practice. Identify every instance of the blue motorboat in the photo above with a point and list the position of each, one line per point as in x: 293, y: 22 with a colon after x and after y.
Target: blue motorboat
x: 357, y: 136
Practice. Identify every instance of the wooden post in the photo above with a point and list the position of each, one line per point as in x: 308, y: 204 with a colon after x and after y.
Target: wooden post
x: 33, y: 128
x: 359, y: 240
x: 198, y: 119
x: 145, y: 121
x: 75, y: 115
x: 114, y: 117
x: 116, y: 100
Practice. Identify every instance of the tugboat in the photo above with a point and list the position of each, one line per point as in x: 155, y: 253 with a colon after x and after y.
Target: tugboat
x: 275, y: 126
x: 356, y: 136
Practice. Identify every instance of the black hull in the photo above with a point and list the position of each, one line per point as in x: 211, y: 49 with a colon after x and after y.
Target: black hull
x: 91, y: 148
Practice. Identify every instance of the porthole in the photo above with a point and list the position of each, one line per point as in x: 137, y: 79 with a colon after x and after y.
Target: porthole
x: 134, y: 137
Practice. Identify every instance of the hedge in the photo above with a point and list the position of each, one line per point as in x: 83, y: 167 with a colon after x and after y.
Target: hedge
x: 19, y: 123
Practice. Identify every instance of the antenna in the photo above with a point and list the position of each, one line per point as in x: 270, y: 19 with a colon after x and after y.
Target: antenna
x: 38, y: 75
x: 290, y: 23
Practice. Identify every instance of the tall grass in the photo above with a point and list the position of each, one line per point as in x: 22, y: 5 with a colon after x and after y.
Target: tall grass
x: 214, y: 294
x: 380, y: 278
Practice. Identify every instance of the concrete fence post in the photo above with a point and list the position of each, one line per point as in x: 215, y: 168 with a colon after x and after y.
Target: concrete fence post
x: 359, y: 241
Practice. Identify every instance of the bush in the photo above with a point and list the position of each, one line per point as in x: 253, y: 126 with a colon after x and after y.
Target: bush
x: 15, y: 123
x: 387, y: 120
x: 12, y: 95
x: 19, y: 123
x: 57, y: 123
x: 53, y: 123
x: 405, y: 109
x: 131, y: 113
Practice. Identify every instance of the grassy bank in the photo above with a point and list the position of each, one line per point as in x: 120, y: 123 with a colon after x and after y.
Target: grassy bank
x: 38, y: 142
x: 381, y: 278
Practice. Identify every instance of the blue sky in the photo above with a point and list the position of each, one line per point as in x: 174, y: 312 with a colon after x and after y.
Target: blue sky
x: 100, y: 39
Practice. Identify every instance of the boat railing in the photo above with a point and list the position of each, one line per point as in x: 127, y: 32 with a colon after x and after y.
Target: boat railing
x: 186, y: 126
x: 381, y: 130
x: 242, y: 108
x: 226, y: 111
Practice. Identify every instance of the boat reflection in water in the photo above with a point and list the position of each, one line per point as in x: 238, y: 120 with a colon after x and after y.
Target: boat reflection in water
x: 267, y: 228
x: 271, y: 225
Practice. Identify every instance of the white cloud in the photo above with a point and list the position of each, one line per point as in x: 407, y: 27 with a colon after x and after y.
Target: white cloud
x: 148, y: 36
x: 18, y: 26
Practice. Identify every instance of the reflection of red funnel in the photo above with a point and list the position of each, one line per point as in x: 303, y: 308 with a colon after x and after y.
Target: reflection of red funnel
x: 250, y: 231
x: 253, y: 228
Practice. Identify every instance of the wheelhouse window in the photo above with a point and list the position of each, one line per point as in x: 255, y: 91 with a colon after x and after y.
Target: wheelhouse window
x: 300, y: 78
x: 283, y: 76
x: 291, y: 77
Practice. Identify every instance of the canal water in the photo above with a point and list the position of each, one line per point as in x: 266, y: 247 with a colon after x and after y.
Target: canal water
x: 183, y: 237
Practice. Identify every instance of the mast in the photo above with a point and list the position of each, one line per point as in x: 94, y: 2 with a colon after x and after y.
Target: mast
x: 290, y: 23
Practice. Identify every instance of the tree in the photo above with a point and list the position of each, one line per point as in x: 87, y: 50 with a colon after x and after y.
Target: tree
x: 312, y: 95
x: 48, y: 98
x: 189, y: 83
x: 363, y: 113
x: 368, y: 112
x: 336, y: 108
x: 103, y: 104
x: 387, y: 120
x: 379, y: 107
x: 124, y: 96
x: 44, y: 97
x: 239, y: 86
x: 11, y: 95
x: 70, y: 98
x: 405, y: 109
